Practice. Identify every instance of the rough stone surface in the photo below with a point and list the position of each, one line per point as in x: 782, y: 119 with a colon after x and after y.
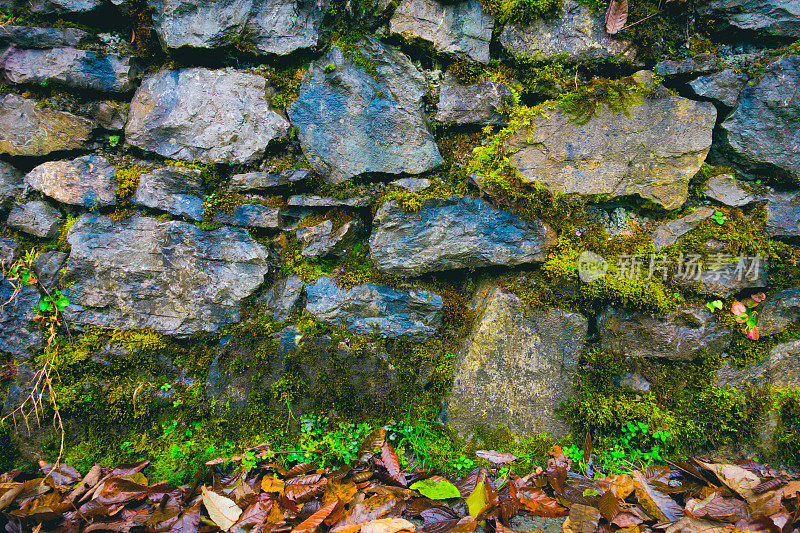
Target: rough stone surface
x: 36, y: 218
x: 630, y: 381
x: 176, y: 190
x: 727, y: 190
x: 52, y: 7
x: 272, y: 26
x: 762, y: 132
x: 257, y: 181
x: 451, y: 234
x: 412, y: 315
x: 778, y: 311
x: 783, y: 214
x: 283, y: 297
x: 652, y: 151
x: 775, y: 17
x: 78, y: 69
x: 170, y: 276
x: 350, y: 123
x: 781, y: 368
x: 254, y: 215
x: 47, y: 266
x: 323, y: 240
x: 310, y: 200
x: 726, y: 279
x: 704, y: 63
x: 668, y: 233
x: 461, y: 29
x: 579, y: 33
x: 19, y: 334
x: 723, y: 87
x: 478, y: 103
x: 10, y: 183
x: 516, y: 367
x: 9, y: 250
x: 108, y: 114
x: 216, y: 116
x: 33, y: 37
x: 679, y: 335
x: 87, y: 181
x: 28, y: 130
x: 412, y: 184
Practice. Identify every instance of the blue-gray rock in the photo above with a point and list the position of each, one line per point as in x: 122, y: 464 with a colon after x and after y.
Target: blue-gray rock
x: 704, y: 63
x: 723, y: 87
x: 325, y: 240
x: 780, y: 369
x: 19, y: 334
x: 108, y: 114
x: 479, y: 103
x: 412, y: 315
x: 253, y: 215
x: 774, y: 17
x: 350, y: 122
x: 779, y: 311
x: 310, y: 200
x: 29, y: 130
x: 269, y: 26
x: 412, y: 184
x: 726, y: 189
x: 176, y: 190
x: 72, y: 67
x: 37, y: 218
x: 680, y: 335
x: 10, y: 183
x: 783, y: 214
x: 283, y: 298
x: 579, y: 33
x: 51, y: 7
x: 461, y: 29
x: 762, y: 132
x: 9, y: 250
x: 651, y: 150
x: 516, y: 367
x: 33, y: 37
x: 87, y: 181
x: 216, y: 116
x: 47, y: 267
x: 169, y: 276
x: 260, y: 181
x: 451, y: 234
x: 668, y: 233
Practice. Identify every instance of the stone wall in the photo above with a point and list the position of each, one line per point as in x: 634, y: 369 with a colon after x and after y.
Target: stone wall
x: 258, y: 209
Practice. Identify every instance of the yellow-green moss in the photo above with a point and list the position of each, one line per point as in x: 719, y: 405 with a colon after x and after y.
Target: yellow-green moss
x: 127, y: 180
x: 521, y: 11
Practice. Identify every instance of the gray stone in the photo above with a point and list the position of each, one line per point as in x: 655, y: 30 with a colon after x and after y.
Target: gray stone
x: 72, y: 67
x: 781, y: 368
x: 704, y: 63
x: 9, y: 250
x: 525, y: 522
x: 170, y: 276
x: 324, y: 240
x: 652, y: 150
x: 216, y: 116
x: 617, y: 221
x: 762, y: 133
x: 10, y: 183
x: 679, y: 335
x: 668, y: 233
x: 783, y: 214
x: 47, y: 267
x: 176, y: 190
x: 254, y: 215
x: 461, y: 29
x: 412, y: 184
x: 272, y: 26
x: 516, y: 367
x: 778, y: 311
x: 108, y: 114
x: 479, y: 103
x: 28, y: 130
x: 310, y: 200
x: 724, y: 278
x: 19, y: 334
x: 87, y: 181
x: 33, y: 37
x: 725, y: 189
x: 259, y: 181
x: 350, y: 122
x: 451, y: 234
x: 775, y: 17
x: 723, y: 87
x: 579, y: 33
x: 51, y: 7
x: 411, y: 315
x: 36, y: 218
x: 283, y: 298
x: 755, y: 375
x: 630, y: 381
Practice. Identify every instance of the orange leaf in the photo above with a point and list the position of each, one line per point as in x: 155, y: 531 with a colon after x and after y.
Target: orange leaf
x: 313, y: 522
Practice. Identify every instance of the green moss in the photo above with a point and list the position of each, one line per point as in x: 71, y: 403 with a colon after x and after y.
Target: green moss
x: 350, y: 44
x: 786, y: 405
x: 9, y: 449
x: 63, y: 244
x: 466, y: 72
x: 127, y: 180
x: 521, y: 11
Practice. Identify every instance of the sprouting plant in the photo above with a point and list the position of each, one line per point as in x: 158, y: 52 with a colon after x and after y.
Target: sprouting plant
x: 627, y: 453
x: 113, y: 140
x: 712, y: 306
x: 166, y: 387
x: 718, y: 217
x: 745, y: 313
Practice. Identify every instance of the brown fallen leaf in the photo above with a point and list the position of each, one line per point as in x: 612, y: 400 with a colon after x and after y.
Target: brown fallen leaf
x: 312, y: 523
x: 620, y: 484
x: 736, y: 478
x: 392, y: 464
x: 616, y: 16
x: 582, y: 519
x: 688, y: 524
x: 657, y: 504
x: 388, y: 525
x: 496, y: 458
x: 223, y: 511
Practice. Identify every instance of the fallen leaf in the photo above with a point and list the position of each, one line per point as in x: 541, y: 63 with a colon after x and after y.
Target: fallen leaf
x: 223, y: 511
x: 388, y: 525
x: 436, y: 488
x: 582, y: 519
x: 496, y: 458
x: 687, y: 524
x: 735, y: 477
x: 313, y: 522
x: 616, y: 16
x: 477, y: 500
x: 392, y: 464
x: 609, y: 505
x: 657, y: 504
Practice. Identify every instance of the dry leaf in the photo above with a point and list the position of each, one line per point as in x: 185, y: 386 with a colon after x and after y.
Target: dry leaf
x: 388, y: 525
x: 582, y: 519
x: 735, y: 478
x: 657, y: 504
x: 223, y: 511
x: 616, y: 16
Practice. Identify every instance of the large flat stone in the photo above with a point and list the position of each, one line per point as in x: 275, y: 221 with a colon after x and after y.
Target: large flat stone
x: 87, y: 181
x: 28, y: 130
x: 176, y: 190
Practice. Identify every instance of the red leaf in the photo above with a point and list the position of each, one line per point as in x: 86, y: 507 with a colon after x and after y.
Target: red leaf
x: 392, y: 464
x: 313, y: 522
x: 616, y: 16
x: 496, y: 458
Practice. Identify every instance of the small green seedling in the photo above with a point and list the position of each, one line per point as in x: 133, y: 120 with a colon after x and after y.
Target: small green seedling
x: 718, y: 217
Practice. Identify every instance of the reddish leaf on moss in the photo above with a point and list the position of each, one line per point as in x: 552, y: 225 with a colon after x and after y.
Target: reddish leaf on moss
x: 616, y: 16
x: 392, y: 464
